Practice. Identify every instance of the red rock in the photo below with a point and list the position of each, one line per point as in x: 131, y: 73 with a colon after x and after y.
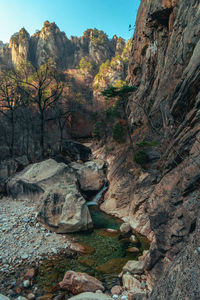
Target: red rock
x: 30, y: 274
x: 133, y: 250
x: 117, y: 289
x: 45, y: 297
x: 82, y: 248
x: 77, y: 283
x: 19, y: 290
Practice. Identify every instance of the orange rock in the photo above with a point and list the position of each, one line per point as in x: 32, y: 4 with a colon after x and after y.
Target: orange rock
x: 77, y: 283
x: 82, y: 248
x: 30, y: 274
x: 133, y: 250
x: 45, y: 297
x: 117, y: 289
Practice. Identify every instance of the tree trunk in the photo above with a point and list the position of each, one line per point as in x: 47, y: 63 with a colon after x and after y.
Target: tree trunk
x: 12, y: 134
x: 42, y: 134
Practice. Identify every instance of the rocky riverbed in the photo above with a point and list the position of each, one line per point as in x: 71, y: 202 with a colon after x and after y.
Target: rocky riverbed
x: 23, y: 239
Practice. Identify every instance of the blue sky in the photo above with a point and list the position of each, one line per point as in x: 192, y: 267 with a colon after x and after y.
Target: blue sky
x: 72, y: 16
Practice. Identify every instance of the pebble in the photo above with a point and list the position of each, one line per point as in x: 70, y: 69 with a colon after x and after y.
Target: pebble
x: 31, y: 296
x: 124, y: 297
x: 54, y: 250
x: 24, y: 256
x: 21, y: 298
x: 26, y: 283
x: 198, y: 249
x: 115, y: 296
x: 22, y: 237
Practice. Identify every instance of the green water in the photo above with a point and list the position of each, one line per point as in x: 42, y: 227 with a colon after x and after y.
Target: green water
x: 105, y: 263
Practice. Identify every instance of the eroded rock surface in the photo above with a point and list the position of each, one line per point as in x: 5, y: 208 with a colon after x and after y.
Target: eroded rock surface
x: 80, y: 282
x: 54, y: 186
x: 163, y: 188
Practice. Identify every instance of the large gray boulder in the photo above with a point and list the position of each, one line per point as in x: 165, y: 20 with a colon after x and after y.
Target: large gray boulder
x: 91, y: 296
x: 61, y: 207
x: 90, y: 175
x: 64, y: 210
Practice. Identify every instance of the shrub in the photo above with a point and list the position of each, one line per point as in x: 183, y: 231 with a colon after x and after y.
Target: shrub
x: 141, y: 157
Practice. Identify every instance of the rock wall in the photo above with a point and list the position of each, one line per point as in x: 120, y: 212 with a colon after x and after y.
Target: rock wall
x: 160, y: 195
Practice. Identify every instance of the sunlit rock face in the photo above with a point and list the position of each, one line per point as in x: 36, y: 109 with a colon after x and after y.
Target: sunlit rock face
x: 19, y: 46
x: 50, y: 42
x: 159, y: 196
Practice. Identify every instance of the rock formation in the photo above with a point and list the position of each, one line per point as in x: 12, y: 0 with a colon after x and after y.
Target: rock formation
x: 50, y: 42
x: 160, y: 194
x: 56, y: 189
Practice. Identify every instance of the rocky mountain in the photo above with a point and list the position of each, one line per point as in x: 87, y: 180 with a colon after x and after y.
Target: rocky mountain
x: 159, y: 195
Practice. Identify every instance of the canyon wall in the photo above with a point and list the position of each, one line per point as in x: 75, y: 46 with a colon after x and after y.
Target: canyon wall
x: 159, y: 195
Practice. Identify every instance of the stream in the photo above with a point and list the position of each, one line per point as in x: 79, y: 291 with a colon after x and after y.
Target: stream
x: 107, y: 251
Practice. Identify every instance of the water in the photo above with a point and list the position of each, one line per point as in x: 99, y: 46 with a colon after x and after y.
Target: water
x: 109, y: 256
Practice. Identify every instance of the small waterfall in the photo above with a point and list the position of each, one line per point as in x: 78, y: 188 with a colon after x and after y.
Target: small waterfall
x: 96, y: 198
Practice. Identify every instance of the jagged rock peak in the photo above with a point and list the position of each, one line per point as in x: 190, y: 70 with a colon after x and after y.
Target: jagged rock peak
x: 19, y: 37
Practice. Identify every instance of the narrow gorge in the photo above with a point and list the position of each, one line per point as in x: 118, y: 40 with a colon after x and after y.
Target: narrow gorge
x: 100, y: 195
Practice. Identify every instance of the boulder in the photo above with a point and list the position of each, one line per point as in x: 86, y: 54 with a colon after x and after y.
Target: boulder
x: 77, y: 283
x: 91, y: 296
x: 64, y: 210
x: 75, y: 150
x: 125, y: 228
x: 134, y: 267
x: 36, y: 178
x: 132, y: 284
x: 90, y: 175
x: 117, y: 289
x: 2, y: 297
x: 61, y: 207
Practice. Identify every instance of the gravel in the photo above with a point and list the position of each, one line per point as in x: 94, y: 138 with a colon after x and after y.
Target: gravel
x: 22, y: 237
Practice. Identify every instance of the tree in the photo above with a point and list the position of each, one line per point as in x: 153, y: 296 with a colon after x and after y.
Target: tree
x: 121, y: 94
x: 10, y: 101
x: 42, y: 87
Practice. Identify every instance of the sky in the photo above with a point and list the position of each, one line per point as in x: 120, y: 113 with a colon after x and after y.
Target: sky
x: 71, y: 16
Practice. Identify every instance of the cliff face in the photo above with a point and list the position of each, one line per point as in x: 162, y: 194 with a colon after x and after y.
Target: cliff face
x: 161, y: 194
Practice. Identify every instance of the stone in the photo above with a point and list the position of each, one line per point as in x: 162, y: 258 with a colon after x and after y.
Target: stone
x: 30, y: 274
x: 117, y: 289
x: 70, y: 211
x: 134, y: 267
x: 21, y: 298
x: 113, y: 265
x: 133, y: 239
x: 30, y: 296
x: 90, y: 296
x: 90, y: 177
x: 77, y: 283
x: 124, y: 297
x: 82, y: 248
x: 76, y: 151
x: 125, y: 227
x: 115, y: 296
x: 45, y: 297
x: 133, y: 250
x: 26, y: 283
x: 132, y: 284
x: 2, y: 297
